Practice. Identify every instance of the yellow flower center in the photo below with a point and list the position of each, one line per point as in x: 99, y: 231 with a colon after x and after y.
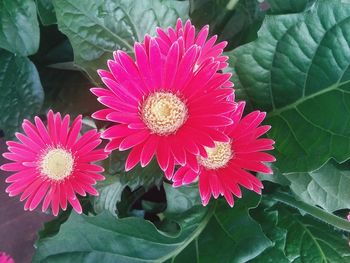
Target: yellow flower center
x: 218, y: 156
x: 57, y: 164
x: 163, y: 113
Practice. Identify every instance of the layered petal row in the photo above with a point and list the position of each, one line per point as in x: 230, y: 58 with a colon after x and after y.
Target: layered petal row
x: 52, y: 163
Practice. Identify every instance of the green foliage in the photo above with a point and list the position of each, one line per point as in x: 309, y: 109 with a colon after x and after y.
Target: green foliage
x: 19, y: 28
x: 300, y: 238
x: 97, y: 28
x: 234, y: 21
x: 327, y: 187
x: 87, y: 239
x: 215, y: 232
x: 308, y: 240
x: 295, y: 82
x: 21, y: 91
x: 289, y: 6
x: 46, y: 12
x: 229, y: 235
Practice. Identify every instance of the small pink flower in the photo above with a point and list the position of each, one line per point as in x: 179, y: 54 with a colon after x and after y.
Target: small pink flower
x: 53, y: 163
x: 349, y: 216
x: 228, y: 164
x: 164, y: 103
x: 4, y: 258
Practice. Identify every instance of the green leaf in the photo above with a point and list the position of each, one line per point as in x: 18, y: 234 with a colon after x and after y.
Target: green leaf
x: 46, y: 12
x: 271, y: 255
x: 277, y: 177
x: 231, y: 235
x: 236, y: 21
x: 181, y: 199
x: 299, y: 239
x: 327, y: 187
x: 289, y: 6
x: 298, y: 71
x: 309, y: 240
x: 226, y: 236
x: 110, y: 190
x: 97, y: 28
x: 52, y: 227
x: 19, y: 27
x: 104, y: 238
x: 268, y: 220
x: 21, y: 91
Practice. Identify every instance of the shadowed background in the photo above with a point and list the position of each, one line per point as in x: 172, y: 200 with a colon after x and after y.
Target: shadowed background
x: 18, y: 228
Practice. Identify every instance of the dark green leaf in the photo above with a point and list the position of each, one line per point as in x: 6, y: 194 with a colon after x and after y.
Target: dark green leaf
x: 46, y: 12
x: 234, y: 21
x: 231, y: 235
x: 271, y: 255
x: 309, y: 240
x: 19, y: 28
x: 268, y: 221
x: 97, y: 28
x: 277, y: 177
x: 296, y: 69
x: 103, y: 238
x: 52, y: 227
x: 21, y: 91
x: 289, y: 6
x: 181, y: 199
x: 327, y: 187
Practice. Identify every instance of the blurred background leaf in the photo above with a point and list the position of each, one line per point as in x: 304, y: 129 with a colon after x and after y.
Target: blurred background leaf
x: 236, y: 21
x: 97, y: 28
x: 46, y: 12
x: 19, y: 28
x: 21, y: 92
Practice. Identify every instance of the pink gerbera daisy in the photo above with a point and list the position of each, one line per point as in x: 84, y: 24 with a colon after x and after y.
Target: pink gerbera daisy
x: 4, y: 258
x: 164, y: 104
x: 53, y: 163
x: 228, y: 163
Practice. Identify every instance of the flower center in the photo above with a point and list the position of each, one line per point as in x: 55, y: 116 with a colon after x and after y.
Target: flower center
x: 57, y: 164
x: 218, y: 156
x: 163, y: 113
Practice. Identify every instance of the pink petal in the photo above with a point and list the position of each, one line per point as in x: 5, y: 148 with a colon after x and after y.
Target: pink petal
x: 133, y: 139
x: 133, y: 157
x: 148, y: 150
x: 74, y: 131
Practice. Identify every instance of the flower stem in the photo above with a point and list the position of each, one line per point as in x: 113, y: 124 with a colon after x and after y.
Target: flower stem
x: 313, y: 211
x: 231, y: 5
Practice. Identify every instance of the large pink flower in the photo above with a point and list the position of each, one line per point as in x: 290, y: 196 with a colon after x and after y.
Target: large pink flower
x: 53, y: 163
x: 164, y: 104
x: 228, y: 164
